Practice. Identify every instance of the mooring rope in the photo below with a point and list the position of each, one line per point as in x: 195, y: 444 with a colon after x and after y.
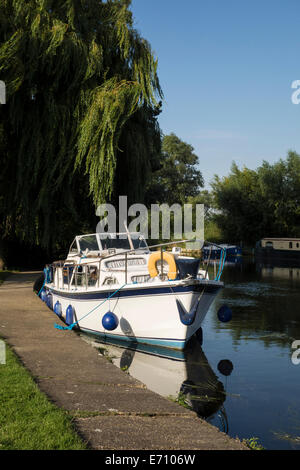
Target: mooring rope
x: 42, y: 287
x: 70, y: 327
x: 221, y: 264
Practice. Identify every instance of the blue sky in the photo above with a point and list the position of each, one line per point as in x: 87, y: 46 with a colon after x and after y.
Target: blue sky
x: 226, y: 68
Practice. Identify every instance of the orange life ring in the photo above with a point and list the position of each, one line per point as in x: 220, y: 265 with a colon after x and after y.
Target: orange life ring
x: 168, y: 257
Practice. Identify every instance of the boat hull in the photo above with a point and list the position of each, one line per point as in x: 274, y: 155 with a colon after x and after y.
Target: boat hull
x: 215, y: 253
x: 148, y: 315
x: 269, y: 255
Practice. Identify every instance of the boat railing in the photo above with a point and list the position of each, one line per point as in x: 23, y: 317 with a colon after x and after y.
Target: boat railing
x: 89, y: 274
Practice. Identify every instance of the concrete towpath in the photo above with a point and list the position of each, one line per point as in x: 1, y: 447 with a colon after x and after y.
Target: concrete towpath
x: 112, y: 410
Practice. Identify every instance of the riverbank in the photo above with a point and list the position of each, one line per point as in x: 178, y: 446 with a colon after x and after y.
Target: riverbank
x: 110, y: 409
x: 29, y: 420
x: 4, y: 275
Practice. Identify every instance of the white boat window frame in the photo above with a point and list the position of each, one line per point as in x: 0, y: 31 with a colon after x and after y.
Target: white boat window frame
x: 71, y: 252
x: 80, y: 237
x: 128, y: 237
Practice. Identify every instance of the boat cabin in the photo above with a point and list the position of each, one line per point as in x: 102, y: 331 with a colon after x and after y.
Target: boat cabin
x: 281, y: 244
x: 103, y: 259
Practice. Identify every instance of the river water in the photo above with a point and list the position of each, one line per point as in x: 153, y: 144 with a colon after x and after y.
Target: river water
x: 240, y: 377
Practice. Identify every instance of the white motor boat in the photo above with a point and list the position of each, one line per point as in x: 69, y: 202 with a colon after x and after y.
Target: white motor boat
x: 118, y: 287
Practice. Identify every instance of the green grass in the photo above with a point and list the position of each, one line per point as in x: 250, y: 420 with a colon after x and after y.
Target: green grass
x: 212, y: 232
x: 181, y: 399
x: 253, y: 443
x: 28, y: 420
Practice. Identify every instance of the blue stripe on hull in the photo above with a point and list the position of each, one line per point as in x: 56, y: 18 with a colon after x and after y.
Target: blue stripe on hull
x: 166, y: 343
x: 98, y: 295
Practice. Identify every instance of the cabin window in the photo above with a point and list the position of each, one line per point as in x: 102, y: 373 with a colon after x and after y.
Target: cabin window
x: 269, y: 244
x: 142, y: 278
x: 79, y: 276
x: 297, y: 245
x: 85, y: 276
x: 67, y: 273
x: 93, y: 275
x: 291, y: 244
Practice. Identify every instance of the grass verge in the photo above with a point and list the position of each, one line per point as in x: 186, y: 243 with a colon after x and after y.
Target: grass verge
x: 28, y: 420
x: 253, y: 443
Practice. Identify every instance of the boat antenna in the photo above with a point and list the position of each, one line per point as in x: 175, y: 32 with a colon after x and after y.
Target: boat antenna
x: 129, y: 237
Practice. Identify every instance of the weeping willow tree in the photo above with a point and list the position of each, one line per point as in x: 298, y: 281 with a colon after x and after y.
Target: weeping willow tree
x: 80, y: 121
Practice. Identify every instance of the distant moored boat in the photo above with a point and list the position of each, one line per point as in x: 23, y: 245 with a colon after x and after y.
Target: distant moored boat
x: 270, y: 249
x: 214, y: 251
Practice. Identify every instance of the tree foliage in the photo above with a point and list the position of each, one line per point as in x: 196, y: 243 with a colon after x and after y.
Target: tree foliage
x: 260, y: 203
x: 82, y: 101
x: 206, y: 198
x: 178, y: 177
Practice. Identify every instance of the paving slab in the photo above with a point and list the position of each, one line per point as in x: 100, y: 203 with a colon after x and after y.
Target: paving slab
x: 182, y: 432
x: 112, y: 409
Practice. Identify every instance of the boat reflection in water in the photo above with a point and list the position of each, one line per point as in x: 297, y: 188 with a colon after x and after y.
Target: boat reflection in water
x: 184, y: 376
x: 229, y: 261
x: 280, y: 272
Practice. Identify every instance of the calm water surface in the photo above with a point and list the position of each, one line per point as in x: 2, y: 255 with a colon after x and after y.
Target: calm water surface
x: 241, y: 379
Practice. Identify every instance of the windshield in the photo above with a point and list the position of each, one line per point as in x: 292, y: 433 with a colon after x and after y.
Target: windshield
x: 114, y: 242
x: 138, y: 241
x: 73, y: 248
x: 88, y: 242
